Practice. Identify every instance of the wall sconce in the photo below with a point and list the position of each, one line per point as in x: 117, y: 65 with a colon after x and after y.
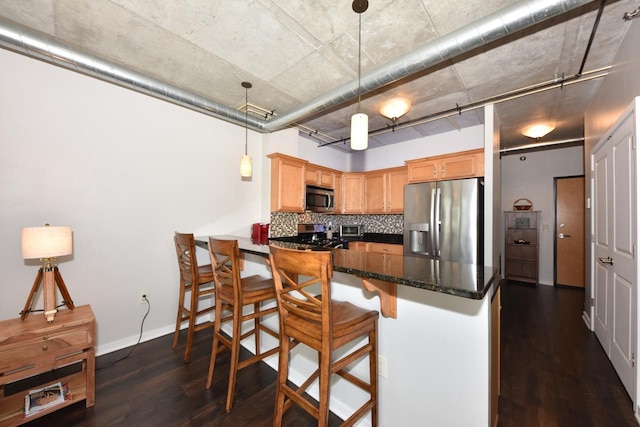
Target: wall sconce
x: 395, y: 108
x: 537, y: 131
x: 46, y: 243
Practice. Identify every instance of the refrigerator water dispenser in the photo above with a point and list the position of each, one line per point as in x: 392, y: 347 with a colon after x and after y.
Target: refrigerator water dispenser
x: 418, y: 237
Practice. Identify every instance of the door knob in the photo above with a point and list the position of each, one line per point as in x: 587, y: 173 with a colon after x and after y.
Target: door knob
x: 607, y: 260
x: 562, y: 235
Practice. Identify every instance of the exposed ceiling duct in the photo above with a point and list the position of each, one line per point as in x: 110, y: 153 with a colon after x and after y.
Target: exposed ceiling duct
x: 495, y: 26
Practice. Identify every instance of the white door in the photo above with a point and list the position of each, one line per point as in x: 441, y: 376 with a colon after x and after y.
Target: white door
x: 614, y: 249
x: 602, y: 274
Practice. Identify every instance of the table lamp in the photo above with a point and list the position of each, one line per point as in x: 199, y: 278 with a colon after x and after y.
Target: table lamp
x: 46, y: 243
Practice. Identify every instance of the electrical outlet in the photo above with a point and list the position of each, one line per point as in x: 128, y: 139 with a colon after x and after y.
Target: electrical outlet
x: 382, y: 366
x: 144, y: 296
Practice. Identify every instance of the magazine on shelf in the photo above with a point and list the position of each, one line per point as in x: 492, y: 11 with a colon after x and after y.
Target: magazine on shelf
x: 44, y: 398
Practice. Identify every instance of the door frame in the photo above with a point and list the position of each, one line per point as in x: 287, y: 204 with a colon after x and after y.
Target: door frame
x: 555, y: 228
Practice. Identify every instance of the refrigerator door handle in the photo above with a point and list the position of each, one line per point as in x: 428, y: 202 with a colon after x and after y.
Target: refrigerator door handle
x: 436, y: 224
x: 432, y: 222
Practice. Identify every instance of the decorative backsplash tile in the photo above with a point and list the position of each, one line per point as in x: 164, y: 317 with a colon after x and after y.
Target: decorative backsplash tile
x: 286, y: 224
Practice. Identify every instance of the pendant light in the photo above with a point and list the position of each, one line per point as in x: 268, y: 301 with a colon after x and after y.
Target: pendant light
x: 359, y: 121
x: 245, y: 161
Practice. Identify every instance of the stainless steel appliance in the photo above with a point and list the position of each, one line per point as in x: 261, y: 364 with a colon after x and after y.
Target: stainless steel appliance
x: 444, y: 220
x: 351, y: 230
x: 315, y: 235
x: 320, y: 199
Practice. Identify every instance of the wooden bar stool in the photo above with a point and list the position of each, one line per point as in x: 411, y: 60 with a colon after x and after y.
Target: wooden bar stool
x: 323, y: 325
x: 232, y: 294
x: 193, y: 279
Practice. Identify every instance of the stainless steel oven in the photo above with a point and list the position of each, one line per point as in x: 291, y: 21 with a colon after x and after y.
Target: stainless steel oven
x: 320, y: 199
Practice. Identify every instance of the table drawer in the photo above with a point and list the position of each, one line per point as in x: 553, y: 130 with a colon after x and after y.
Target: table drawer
x: 44, y: 349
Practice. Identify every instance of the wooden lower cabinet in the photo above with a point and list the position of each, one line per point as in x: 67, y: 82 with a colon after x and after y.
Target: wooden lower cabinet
x: 380, y: 255
x: 33, y: 346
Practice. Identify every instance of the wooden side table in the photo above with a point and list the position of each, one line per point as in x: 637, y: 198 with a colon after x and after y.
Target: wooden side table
x: 33, y: 346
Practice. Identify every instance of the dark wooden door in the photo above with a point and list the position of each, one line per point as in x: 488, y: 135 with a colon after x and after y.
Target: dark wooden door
x: 569, y: 231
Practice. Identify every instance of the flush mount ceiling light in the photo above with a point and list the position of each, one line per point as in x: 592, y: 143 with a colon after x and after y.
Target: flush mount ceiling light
x: 359, y: 121
x: 538, y: 131
x: 245, y: 161
x: 395, y: 108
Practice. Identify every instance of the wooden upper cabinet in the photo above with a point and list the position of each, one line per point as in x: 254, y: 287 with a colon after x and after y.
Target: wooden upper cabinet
x: 384, y: 190
x: 465, y: 164
x: 397, y: 178
x: 375, y: 189
x: 287, y: 183
x: 320, y: 176
x: 337, y: 193
x: 352, y: 192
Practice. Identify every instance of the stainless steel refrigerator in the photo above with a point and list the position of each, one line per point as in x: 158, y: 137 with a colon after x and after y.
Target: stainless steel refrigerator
x: 444, y: 220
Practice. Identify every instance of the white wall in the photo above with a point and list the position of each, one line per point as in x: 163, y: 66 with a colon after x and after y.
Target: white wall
x: 396, y: 154
x: 533, y: 179
x: 125, y: 171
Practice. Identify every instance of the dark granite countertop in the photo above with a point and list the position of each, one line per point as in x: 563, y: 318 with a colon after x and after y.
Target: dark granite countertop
x: 463, y: 280
x: 395, y: 239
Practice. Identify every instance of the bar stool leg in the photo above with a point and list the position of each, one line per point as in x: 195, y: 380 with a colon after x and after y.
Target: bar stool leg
x: 180, y: 311
x: 283, y: 373
x: 235, y: 354
x: 216, y: 343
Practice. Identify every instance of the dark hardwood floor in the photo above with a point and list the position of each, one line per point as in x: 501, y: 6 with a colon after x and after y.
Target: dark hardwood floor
x: 554, y: 373
x: 554, y: 370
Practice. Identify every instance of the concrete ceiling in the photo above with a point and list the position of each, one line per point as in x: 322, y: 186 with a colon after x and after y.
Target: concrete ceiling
x: 293, y: 51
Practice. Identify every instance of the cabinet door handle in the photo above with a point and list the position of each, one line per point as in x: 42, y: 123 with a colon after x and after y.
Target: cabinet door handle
x: 45, y: 347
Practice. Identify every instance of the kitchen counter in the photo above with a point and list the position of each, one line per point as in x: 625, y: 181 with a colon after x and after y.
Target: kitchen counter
x: 436, y: 344
x: 462, y: 280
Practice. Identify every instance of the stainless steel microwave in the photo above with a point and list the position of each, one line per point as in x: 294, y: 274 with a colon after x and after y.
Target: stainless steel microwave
x: 320, y: 199
x: 351, y: 230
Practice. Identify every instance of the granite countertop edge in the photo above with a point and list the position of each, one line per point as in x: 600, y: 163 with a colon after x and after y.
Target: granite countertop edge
x: 420, y: 284
x: 479, y: 293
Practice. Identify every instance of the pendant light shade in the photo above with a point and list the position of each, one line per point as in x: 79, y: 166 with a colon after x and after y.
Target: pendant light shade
x: 246, y: 167
x: 359, y: 131
x: 359, y: 121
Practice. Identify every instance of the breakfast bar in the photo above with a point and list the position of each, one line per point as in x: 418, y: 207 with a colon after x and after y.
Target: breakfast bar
x: 382, y: 272
x: 435, y: 340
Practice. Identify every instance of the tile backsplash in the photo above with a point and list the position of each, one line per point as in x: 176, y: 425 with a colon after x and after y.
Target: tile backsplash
x: 286, y: 224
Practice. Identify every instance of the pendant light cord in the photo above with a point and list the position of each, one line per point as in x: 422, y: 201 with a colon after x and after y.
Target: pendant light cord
x: 359, y: 56
x: 246, y: 118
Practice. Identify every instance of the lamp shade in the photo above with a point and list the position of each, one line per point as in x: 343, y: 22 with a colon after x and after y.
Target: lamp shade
x: 359, y: 131
x: 395, y: 108
x: 246, y: 168
x: 46, y: 242
x: 538, y: 131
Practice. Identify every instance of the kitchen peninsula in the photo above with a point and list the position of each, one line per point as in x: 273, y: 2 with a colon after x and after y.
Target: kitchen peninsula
x: 437, y: 351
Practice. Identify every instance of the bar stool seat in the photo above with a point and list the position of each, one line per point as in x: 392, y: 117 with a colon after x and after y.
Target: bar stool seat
x: 324, y: 325
x: 233, y: 293
x: 193, y: 278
